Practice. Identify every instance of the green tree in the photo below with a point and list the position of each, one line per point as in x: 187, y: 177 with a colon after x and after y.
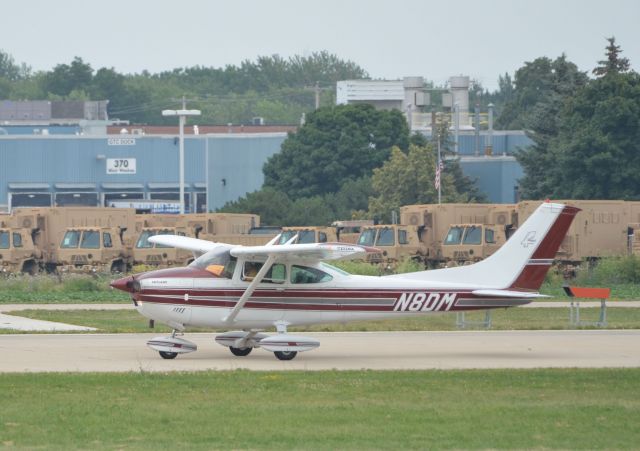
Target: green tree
x: 540, y: 87
x: 614, y: 62
x: 9, y: 70
x: 336, y: 144
x: 272, y: 206
x: 65, y: 78
x: 595, y: 152
x: 407, y: 179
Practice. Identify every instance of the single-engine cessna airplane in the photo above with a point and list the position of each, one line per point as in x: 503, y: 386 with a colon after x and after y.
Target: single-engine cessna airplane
x: 254, y: 288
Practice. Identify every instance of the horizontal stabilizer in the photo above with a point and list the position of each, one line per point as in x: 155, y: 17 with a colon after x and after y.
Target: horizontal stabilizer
x: 508, y: 294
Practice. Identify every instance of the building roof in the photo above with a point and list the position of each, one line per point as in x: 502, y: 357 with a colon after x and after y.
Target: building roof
x: 202, y: 129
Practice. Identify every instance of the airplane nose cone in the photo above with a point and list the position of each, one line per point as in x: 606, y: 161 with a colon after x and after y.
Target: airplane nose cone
x: 124, y: 284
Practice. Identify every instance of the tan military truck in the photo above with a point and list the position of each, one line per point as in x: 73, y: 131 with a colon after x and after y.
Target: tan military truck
x: 49, y: 227
x: 465, y: 244
x: 424, y: 228
x: 349, y: 231
x: 221, y: 227
x: 93, y: 249
x: 17, y: 252
x: 397, y: 242
x: 600, y: 229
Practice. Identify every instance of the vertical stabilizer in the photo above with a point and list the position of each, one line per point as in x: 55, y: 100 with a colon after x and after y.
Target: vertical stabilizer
x: 522, y: 262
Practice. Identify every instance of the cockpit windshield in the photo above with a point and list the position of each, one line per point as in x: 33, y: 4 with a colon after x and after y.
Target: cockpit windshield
x: 218, y: 262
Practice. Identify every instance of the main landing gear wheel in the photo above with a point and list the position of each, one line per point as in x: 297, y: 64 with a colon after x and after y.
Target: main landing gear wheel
x: 285, y: 355
x: 240, y: 352
x: 168, y: 355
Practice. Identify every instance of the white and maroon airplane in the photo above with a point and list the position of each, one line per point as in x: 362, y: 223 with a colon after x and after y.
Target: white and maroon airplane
x: 255, y: 288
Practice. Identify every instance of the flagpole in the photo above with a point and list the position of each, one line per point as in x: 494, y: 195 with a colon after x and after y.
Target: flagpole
x: 439, y: 166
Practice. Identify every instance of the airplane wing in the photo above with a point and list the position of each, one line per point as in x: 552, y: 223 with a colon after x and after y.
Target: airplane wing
x: 184, y: 242
x: 304, y: 252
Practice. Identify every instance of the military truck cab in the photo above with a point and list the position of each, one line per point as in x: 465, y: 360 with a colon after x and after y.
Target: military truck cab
x: 158, y: 255
x: 92, y: 249
x: 395, y: 241
x: 17, y: 252
x: 468, y: 243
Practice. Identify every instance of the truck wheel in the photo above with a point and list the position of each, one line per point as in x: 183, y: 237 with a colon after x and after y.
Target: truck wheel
x: 117, y: 267
x: 30, y: 267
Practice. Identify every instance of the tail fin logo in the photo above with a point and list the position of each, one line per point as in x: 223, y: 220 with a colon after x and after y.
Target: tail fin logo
x: 529, y: 239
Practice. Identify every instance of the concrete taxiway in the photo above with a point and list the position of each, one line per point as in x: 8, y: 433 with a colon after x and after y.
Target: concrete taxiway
x: 345, y: 350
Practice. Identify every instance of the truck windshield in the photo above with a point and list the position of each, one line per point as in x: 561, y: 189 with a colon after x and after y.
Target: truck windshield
x: 454, y: 236
x: 4, y: 240
x: 286, y: 236
x: 306, y: 236
x: 71, y: 239
x: 473, y: 235
x: 385, y: 237
x: 143, y: 239
x: 367, y: 237
x: 90, y: 239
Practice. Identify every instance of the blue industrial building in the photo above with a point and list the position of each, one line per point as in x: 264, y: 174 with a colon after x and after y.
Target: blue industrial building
x: 99, y: 170
x: 62, y: 168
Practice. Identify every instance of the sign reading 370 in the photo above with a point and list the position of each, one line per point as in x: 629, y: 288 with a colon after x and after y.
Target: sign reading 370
x: 121, y: 165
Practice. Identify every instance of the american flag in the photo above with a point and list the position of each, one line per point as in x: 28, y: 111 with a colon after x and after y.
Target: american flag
x: 439, y: 169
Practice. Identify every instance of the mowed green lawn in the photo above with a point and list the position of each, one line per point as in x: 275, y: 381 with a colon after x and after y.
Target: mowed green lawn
x: 565, y: 409
x: 114, y: 321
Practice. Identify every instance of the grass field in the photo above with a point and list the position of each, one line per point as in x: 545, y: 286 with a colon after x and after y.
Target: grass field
x: 559, y: 409
x: 115, y: 321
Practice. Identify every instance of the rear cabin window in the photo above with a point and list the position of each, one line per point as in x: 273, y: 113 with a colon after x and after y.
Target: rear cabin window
x: 402, y: 237
x: 489, y: 236
x: 4, y: 240
x: 385, y: 237
x: 454, y: 236
x: 17, y: 239
x: 71, y: 239
x: 106, y: 239
x: 473, y: 235
x: 306, y: 274
x: 322, y: 237
x: 367, y: 237
x: 90, y: 240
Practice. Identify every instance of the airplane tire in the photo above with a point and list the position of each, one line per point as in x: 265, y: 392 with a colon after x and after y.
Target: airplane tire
x: 168, y: 355
x: 240, y: 352
x: 284, y: 355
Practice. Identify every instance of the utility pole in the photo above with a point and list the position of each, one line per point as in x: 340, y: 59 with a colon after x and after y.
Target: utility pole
x: 182, y: 115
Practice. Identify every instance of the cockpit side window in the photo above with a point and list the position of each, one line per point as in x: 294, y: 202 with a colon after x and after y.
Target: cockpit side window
x: 276, y: 274
x: 306, y: 274
x: 219, y: 263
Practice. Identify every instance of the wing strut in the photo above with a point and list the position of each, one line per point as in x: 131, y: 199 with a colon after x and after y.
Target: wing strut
x: 250, y: 289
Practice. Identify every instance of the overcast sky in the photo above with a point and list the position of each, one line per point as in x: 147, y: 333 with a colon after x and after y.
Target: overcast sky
x: 389, y: 39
